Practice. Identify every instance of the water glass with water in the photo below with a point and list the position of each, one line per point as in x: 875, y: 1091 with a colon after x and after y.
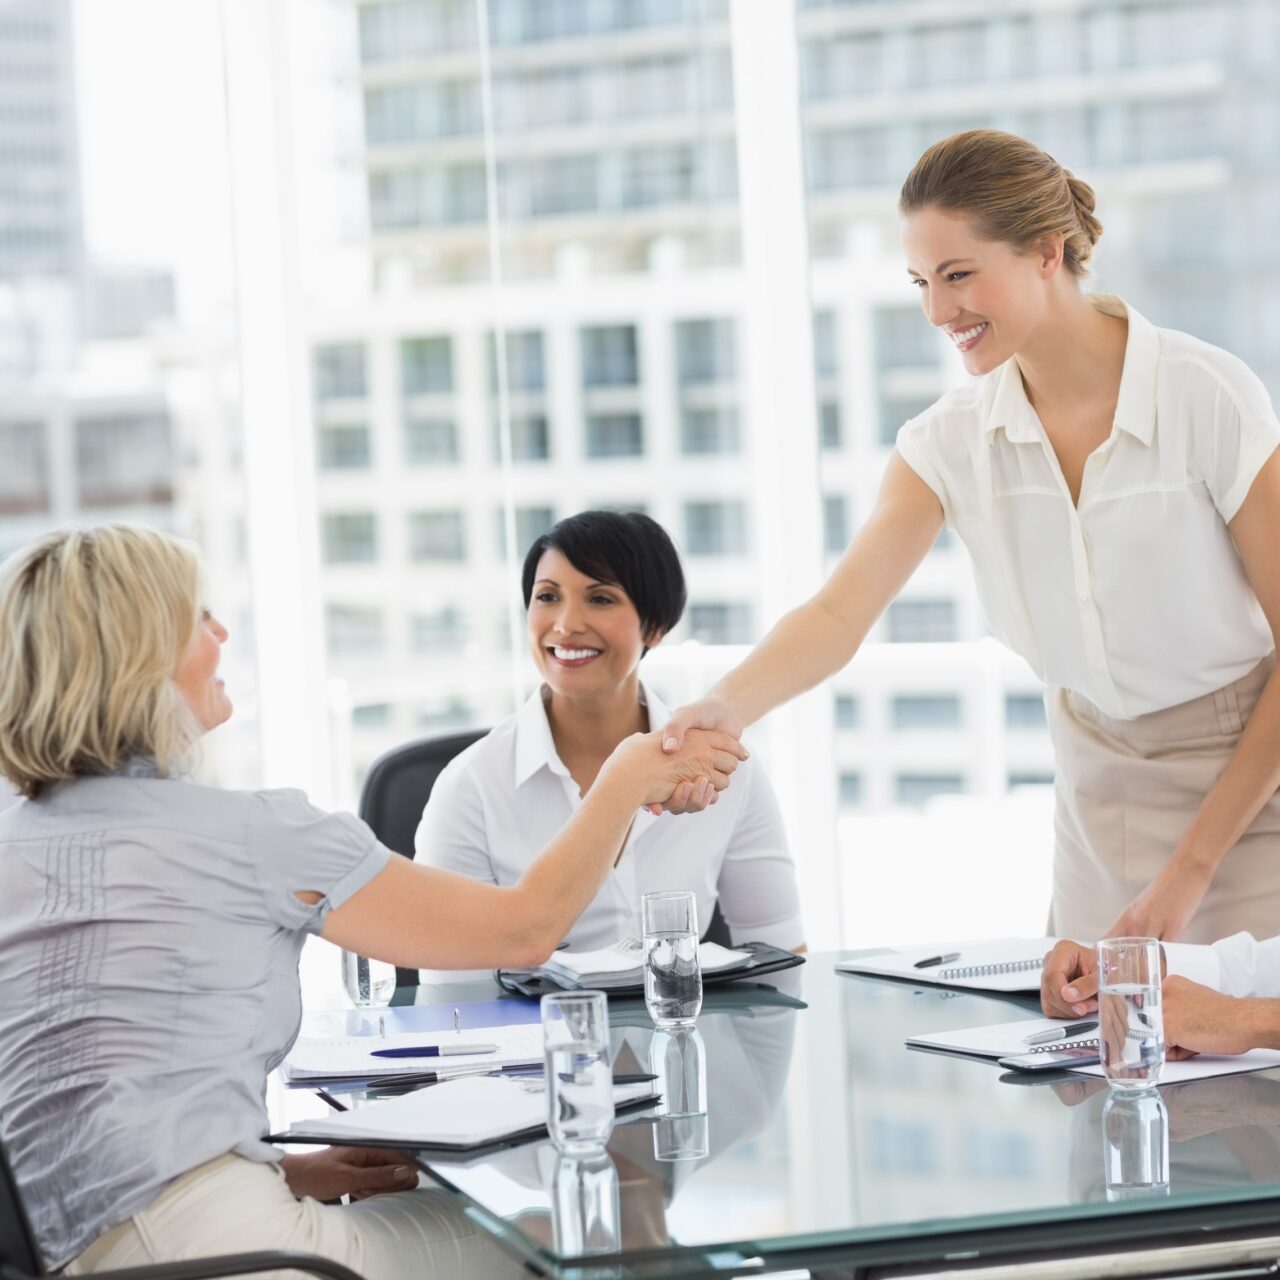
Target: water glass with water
x: 672, y: 974
x: 575, y: 1045
x: 369, y: 984
x: 1130, y: 1019
x: 585, y: 1213
x: 680, y: 1127
x: 1135, y: 1145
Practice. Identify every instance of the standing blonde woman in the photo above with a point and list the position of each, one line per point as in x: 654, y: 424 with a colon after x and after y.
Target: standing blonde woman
x: 1118, y: 489
x: 151, y: 930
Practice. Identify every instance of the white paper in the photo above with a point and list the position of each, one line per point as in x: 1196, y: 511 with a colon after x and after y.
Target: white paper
x: 901, y: 963
x: 1004, y: 1039
x: 352, y: 1056
x: 1207, y: 1065
x: 623, y: 961
x: 460, y: 1113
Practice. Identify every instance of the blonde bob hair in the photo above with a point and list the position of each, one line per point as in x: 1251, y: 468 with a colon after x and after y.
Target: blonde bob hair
x: 1013, y: 191
x: 94, y: 624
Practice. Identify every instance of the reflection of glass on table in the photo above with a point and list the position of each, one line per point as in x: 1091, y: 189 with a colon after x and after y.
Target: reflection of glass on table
x: 584, y: 1205
x: 1135, y: 1145
x: 681, y: 1130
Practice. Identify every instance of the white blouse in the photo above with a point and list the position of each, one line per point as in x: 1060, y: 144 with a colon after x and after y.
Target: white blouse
x: 1135, y: 599
x: 496, y: 806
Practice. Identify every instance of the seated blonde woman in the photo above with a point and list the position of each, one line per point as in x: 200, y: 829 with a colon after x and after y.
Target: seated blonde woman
x: 151, y: 930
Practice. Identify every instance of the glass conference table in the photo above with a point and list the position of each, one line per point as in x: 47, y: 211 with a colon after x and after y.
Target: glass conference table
x: 828, y: 1144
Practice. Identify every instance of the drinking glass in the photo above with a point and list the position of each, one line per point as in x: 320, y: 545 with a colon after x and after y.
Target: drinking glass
x: 1135, y: 1145
x: 1130, y: 1020
x: 369, y: 984
x: 672, y: 974
x: 585, y: 1214
x: 680, y: 1128
x: 575, y: 1045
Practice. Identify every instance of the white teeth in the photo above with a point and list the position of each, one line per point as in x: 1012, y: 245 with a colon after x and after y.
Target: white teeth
x: 573, y: 655
x: 961, y: 336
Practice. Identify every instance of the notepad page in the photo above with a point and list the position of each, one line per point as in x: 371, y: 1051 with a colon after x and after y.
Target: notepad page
x: 1207, y: 1065
x: 1002, y: 1040
x: 352, y: 1056
x: 966, y: 971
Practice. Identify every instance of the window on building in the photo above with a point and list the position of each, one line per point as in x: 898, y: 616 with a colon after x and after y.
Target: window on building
x: 530, y: 438
x: 848, y: 711
x: 905, y: 340
x: 706, y: 351
x: 916, y: 789
x: 715, y: 528
x: 445, y: 713
x: 1024, y: 711
x: 340, y: 371
x: 437, y: 535
x: 835, y: 523
x: 610, y: 356
x: 844, y: 158
x: 720, y: 623
x: 124, y: 461
x: 355, y: 632
x: 426, y: 366
x: 922, y: 621
x: 430, y: 441
x: 526, y: 362
x: 709, y: 430
x: 615, y: 435
x: 826, y: 362
x: 830, y: 428
x: 849, y: 791
x: 346, y: 447
x: 438, y: 631
x: 371, y: 715
x: 926, y: 711
x: 531, y: 524
x: 897, y: 410
x: 1030, y: 778
x: 659, y: 175
x: 24, y: 477
x: 349, y: 537
x: 560, y: 185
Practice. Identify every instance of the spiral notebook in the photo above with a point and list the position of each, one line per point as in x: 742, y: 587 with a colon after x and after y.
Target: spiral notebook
x: 1001, y: 964
x: 1001, y: 1041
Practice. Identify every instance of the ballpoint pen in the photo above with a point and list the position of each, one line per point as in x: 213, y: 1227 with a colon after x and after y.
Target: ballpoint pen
x: 433, y: 1050
x: 950, y: 958
x: 1060, y: 1033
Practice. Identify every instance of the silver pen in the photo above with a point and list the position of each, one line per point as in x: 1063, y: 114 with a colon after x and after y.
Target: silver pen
x: 1060, y: 1033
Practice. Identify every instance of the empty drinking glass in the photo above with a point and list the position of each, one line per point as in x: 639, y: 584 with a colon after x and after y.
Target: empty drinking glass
x: 1135, y: 1145
x: 368, y: 983
x: 575, y: 1045
x: 680, y: 1128
x: 585, y: 1216
x: 1130, y: 1020
x: 672, y: 974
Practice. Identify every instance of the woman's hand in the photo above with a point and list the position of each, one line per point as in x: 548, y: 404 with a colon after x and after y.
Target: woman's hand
x: 358, y: 1172
x: 700, y: 768
x: 1165, y: 907
x: 706, y: 713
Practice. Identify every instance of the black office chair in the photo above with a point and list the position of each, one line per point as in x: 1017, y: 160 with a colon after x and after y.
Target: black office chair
x: 20, y: 1257
x: 396, y: 789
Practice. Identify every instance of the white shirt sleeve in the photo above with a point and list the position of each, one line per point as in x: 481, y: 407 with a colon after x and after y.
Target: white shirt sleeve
x: 1245, y: 434
x: 452, y: 834
x: 1236, y: 966
x: 757, y: 885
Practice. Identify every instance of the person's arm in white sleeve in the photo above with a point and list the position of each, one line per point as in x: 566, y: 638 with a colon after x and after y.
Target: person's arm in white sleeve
x: 757, y: 886
x: 452, y: 834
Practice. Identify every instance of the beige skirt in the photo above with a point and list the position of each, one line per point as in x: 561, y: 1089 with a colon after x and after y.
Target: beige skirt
x: 1126, y: 791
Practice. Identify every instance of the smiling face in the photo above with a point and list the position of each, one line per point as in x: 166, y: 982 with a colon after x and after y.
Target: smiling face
x: 986, y: 295
x: 197, y: 674
x: 585, y: 634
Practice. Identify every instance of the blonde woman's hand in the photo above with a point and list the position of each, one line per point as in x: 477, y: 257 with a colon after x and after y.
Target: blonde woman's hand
x: 700, y: 768
x: 707, y: 714
x: 1165, y: 907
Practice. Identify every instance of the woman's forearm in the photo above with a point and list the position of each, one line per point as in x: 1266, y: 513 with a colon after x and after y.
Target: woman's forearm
x: 1250, y: 779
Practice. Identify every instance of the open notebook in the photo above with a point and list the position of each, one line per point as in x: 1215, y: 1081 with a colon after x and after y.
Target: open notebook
x: 455, y: 1116
x: 622, y: 964
x: 1003, y: 1040
x: 1003, y: 964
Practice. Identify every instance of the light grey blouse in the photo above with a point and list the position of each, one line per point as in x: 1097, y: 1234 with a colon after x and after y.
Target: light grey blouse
x: 149, y: 942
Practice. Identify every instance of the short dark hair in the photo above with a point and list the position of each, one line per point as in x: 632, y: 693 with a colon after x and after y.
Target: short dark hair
x: 626, y: 549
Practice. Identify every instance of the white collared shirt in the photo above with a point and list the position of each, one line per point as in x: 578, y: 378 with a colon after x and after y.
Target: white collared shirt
x: 1136, y: 598
x: 498, y: 805
x: 1237, y: 966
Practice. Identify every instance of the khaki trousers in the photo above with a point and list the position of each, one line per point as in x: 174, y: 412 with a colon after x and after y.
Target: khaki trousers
x: 234, y: 1205
x: 1127, y: 790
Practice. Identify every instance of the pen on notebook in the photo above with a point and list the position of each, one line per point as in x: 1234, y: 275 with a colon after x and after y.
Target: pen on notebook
x: 950, y: 958
x: 433, y: 1050
x: 1060, y: 1033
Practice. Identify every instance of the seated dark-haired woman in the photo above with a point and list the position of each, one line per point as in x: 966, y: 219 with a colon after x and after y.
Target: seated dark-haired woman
x: 601, y: 589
